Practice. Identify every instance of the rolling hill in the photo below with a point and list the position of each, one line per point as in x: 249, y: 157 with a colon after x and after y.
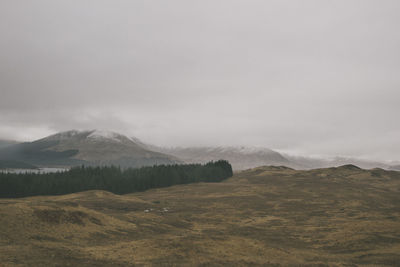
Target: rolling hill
x: 267, y: 216
x: 84, y: 147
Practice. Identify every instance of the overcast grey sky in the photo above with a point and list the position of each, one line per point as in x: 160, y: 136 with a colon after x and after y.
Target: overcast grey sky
x: 314, y: 77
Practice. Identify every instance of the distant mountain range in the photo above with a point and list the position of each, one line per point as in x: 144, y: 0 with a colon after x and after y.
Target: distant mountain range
x: 300, y: 162
x: 96, y: 148
x: 395, y: 168
x: 249, y: 157
x: 240, y: 157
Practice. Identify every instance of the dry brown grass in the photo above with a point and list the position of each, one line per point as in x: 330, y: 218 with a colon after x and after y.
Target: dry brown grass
x: 264, y: 216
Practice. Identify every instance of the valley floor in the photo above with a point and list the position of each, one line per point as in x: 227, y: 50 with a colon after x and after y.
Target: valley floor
x: 264, y: 216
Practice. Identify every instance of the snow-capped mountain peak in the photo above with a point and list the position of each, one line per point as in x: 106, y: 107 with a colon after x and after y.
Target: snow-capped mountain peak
x: 106, y: 135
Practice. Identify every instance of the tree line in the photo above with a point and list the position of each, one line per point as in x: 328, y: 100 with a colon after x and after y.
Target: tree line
x: 111, y: 178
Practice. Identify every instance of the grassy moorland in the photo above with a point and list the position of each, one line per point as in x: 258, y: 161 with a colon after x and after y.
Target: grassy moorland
x: 264, y: 216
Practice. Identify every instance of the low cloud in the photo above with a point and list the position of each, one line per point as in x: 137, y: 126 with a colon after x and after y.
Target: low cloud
x: 314, y: 77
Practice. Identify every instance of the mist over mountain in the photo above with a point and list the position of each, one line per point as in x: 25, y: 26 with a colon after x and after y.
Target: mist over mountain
x: 240, y: 157
x: 244, y: 157
x: 93, y: 147
x: 249, y: 157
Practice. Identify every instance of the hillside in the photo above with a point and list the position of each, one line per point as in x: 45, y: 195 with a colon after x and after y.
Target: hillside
x: 343, y: 216
x: 12, y: 164
x: 5, y: 143
x: 84, y: 147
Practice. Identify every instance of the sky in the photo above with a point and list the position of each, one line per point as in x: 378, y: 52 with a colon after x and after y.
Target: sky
x: 311, y: 77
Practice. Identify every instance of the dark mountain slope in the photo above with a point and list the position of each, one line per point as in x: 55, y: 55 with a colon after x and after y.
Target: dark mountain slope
x: 5, y: 143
